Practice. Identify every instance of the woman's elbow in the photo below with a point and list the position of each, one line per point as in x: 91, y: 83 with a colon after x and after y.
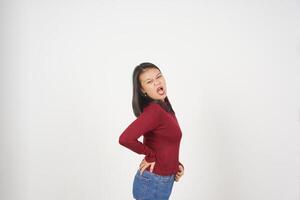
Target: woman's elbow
x: 122, y: 140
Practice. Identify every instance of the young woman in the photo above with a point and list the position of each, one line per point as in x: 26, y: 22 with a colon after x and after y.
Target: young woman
x: 157, y: 122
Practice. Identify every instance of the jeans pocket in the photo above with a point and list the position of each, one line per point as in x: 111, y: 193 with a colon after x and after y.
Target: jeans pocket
x: 141, y: 186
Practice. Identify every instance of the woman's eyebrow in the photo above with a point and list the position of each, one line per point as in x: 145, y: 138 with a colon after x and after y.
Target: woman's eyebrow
x: 155, y: 76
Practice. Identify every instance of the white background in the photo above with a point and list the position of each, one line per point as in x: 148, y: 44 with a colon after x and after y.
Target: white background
x: 233, y: 77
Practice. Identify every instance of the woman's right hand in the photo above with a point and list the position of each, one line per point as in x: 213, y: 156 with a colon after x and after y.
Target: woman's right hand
x: 144, y: 165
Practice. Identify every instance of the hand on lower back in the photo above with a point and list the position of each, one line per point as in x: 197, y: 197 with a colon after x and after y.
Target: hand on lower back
x: 144, y: 165
x: 179, y: 173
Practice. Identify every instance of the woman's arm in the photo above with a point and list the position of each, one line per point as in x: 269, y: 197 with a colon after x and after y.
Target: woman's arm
x: 148, y: 120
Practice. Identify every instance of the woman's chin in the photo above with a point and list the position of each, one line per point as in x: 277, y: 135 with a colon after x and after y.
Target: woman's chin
x: 161, y: 97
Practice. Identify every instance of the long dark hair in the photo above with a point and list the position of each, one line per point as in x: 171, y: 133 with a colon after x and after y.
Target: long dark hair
x: 139, y: 101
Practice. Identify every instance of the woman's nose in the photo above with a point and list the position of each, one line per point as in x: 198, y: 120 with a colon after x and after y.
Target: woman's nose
x: 156, y: 82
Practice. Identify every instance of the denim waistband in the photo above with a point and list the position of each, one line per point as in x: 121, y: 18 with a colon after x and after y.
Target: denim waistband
x: 156, y: 176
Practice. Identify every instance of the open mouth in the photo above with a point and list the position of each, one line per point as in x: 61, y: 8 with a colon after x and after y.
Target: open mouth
x: 160, y: 90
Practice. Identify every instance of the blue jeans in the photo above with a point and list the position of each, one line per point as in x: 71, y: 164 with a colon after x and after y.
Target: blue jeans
x: 150, y: 186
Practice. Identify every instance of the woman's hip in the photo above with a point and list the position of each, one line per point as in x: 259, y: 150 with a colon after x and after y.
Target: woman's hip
x: 150, y: 186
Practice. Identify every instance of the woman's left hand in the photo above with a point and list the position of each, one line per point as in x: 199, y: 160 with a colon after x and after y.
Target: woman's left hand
x: 179, y: 173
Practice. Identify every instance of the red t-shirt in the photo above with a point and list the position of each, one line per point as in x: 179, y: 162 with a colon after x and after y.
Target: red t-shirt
x: 161, y: 139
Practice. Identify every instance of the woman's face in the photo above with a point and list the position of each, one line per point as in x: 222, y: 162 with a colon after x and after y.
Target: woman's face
x: 153, y: 83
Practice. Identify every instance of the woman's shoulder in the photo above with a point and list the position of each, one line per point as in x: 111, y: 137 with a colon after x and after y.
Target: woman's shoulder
x: 156, y: 107
x: 153, y: 106
x: 152, y: 109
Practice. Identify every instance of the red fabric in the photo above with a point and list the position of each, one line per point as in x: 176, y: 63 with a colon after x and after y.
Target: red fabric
x: 161, y: 139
